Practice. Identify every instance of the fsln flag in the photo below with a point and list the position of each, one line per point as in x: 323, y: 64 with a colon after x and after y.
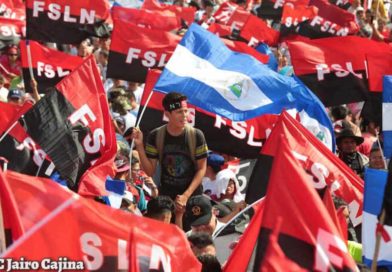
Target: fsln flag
x: 44, y: 202
x: 49, y: 65
x: 66, y: 21
x: 387, y: 116
x: 75, y: 130
x: 375, y: 185
x: 308, y: 236
x: 233, y: 85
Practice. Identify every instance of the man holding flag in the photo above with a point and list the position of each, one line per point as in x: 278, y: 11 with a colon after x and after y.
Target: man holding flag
x: 180, y: 149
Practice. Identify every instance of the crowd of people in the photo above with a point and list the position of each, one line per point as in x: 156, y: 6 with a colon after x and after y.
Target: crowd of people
x: 171, y: 175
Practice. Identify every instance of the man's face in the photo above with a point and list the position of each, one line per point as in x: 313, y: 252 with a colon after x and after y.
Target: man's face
x: 348, y: 146
x: 376, y: 160
x: 208, y: 228
x: 178, y: 117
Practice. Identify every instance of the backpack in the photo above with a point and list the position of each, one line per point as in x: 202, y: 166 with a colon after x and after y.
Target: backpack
x: 190, y: 139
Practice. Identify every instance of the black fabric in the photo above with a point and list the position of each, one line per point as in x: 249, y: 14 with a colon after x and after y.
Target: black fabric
x: 333, y: 91
x: 47, y: 123
x: 43, y: 82
x: 295, y: 249
x: 218, y: 139
x: 118, y: 68
x: 43, y: 29
x: 258, y: 182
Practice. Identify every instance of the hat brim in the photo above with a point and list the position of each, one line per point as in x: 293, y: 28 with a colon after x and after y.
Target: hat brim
x: 203, y: 220
x: 122, y: 168
x: 358, y: 140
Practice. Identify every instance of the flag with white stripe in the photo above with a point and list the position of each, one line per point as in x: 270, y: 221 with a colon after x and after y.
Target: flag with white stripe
x: 387, y: 116
x: 234, y: 85
x: 375, y: 181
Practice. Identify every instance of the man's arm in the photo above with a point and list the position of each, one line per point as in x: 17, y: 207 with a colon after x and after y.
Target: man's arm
x: 201, y: 171
x: 148, y: 165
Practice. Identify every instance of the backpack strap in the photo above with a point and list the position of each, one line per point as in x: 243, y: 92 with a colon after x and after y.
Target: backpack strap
x: 159, y: 141
x: 190, y: 137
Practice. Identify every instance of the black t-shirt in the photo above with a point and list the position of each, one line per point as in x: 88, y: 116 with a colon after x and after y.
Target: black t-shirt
x: 177, y: 166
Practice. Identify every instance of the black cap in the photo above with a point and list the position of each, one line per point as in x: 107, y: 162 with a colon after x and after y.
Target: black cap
x: 199, y: 210
x: 348, y: 133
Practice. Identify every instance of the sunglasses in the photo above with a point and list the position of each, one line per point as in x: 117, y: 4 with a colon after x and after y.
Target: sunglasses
x: 13, y: 55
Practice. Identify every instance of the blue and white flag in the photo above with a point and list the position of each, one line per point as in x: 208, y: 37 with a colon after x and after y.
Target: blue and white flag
x: 387, y: 116
x: 236, y: 85
x: 116, y: 192
x: 375, y: 181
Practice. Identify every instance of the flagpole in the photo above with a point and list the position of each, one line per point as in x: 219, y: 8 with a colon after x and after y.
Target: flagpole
x: 381, y: 151
x: 2, y: 229
x: 137, y: 126
x: 29, y: 61
x: 378, y: 242
x: 8, y: 130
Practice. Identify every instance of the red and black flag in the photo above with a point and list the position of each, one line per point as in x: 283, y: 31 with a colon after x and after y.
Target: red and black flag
x: 308, y: 236
x: 134, y: 50
x: 66, y: 21
x: 72, y: 125
x: 323, y: 168
x: 98, y: 232
x: 256, y: 29
x: 246, y: 136
x: 22, y: 153
x: 272, y: 9
x: 49, y: 65
x: 335, y: 68
x: 330, y: 21
x: 245, y: 48
x: 187, y: 14
x: 13, y: 228
x: 292, y: 17
x: 11, y: 31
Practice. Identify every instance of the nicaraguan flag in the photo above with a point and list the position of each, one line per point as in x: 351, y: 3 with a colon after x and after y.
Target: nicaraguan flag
x: 236, y: 85
x: 375, y: 181
x: 116, y: 191
x: 387, y: 115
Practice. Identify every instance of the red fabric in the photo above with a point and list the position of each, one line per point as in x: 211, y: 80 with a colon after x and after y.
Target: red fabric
x: 7, y: 67
x: 9, y: 208
x: 323, y: 166
x: 66, y: 225
x: 39, y: 53
x: 378, y: 66
x: 292, y: 16
x: 240, y: 257
x: 127, y: 35
x: 330, y: 206
x: 258, y: 29
x: 10, y: 113
x: 343, y: 222
x: 305, y: 55
x: 14, y: 9
x: 219, y: 29
x: 244, y: 48
x: 155, y: 19
x: 384, y: 234
x: 86, y: 79
x: 101, y: 7
x: 10, y: 27
x: 187, y: 14
x: 232, y: 15
x: 303, y: 213
x: 336, y: 16
x: 275, y: 259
